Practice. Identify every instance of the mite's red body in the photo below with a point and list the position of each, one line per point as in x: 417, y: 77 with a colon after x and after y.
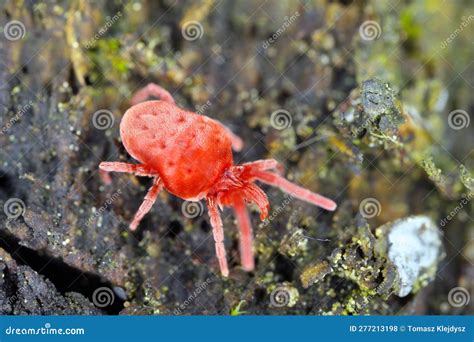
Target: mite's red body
x: 189, y: 151
x: 190, y: 155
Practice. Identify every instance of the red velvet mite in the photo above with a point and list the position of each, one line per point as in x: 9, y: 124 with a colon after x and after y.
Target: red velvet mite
x: 190, y: 155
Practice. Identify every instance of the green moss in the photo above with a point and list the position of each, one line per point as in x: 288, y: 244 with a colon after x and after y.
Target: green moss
x: 315, y: 273
x: 466, y: 178
x: 409, y: 25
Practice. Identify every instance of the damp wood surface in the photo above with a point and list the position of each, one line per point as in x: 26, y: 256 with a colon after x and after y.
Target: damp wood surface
x: 365, y: 122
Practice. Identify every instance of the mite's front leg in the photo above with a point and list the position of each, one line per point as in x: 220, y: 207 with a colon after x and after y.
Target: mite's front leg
x: 138, y: 170
x: 263, y: 165
x: 147, y: 203
x: 295, y: 190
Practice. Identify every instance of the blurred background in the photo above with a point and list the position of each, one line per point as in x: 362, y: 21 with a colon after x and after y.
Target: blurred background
x: 367, y: 102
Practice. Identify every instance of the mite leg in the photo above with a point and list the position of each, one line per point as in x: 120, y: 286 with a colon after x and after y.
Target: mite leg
x: 252, y: 193
x: 218, y: 234
x: 246, y: 238
x: 149, y: 90
x: 147, y: 203
x: 237, y: 143
x: 105, y: 177
x: 264, y: 165
x: 295, y: 190
x: 136, y: 169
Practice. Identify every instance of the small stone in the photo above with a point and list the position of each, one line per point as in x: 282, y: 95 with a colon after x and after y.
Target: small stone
x: 120, y: 292
x: 377, y: 97
x: 414, y: 247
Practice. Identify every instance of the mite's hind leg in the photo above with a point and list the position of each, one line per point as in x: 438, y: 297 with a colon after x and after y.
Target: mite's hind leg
x: 236, y: 141
x: 246, y: 237
x: 152, y: 89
